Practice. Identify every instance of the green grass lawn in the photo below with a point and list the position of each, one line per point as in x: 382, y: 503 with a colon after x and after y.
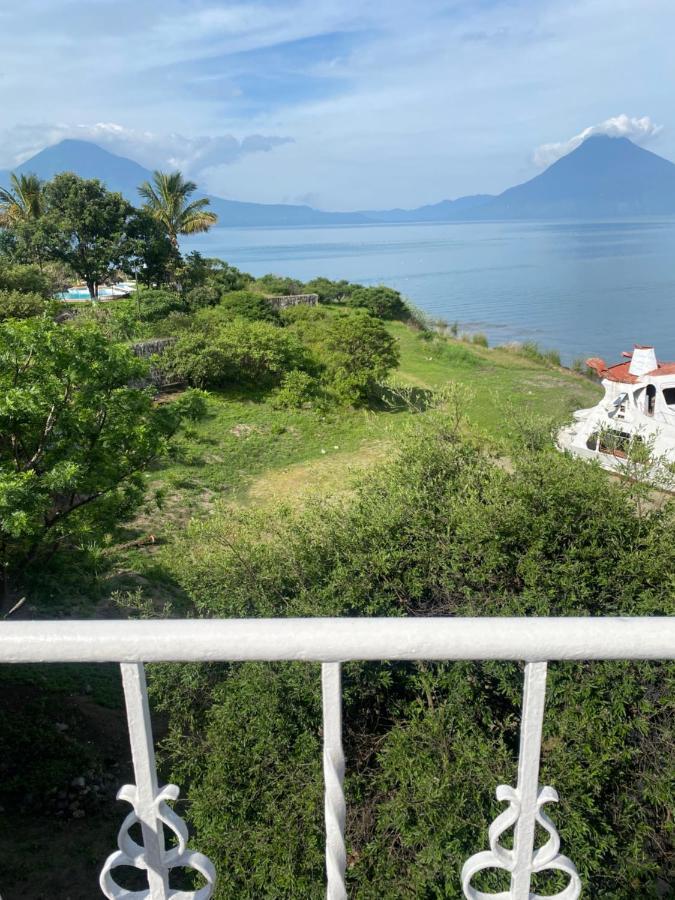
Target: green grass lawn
x: 247, y: 452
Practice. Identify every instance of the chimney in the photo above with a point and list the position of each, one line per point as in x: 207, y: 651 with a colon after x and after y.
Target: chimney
x: 643, y: 361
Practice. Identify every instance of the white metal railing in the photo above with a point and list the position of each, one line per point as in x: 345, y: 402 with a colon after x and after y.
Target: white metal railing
x: 534, y: 641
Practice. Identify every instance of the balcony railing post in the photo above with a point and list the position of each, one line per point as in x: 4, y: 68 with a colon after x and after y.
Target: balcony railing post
x: 534, y: 700
x: 524, y: 813
x: 333, y: 772
x: 152, y: 812
x: 145, y: 771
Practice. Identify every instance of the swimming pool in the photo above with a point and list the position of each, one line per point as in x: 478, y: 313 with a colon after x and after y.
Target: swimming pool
x: 104, y: 293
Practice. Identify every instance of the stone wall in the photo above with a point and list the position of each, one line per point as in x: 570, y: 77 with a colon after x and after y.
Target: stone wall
x: 283, y: 301
x: 156, y: 377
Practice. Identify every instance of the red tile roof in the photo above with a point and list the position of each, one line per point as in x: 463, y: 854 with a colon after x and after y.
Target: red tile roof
x: 620, y: 372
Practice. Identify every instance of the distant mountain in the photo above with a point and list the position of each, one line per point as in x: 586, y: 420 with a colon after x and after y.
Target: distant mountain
x: 603, y: 178
x: 445, y: 211
x: 123, y: 175
x: 88, y: 161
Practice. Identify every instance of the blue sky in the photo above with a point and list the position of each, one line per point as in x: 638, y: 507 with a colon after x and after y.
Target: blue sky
x: 339, y: 103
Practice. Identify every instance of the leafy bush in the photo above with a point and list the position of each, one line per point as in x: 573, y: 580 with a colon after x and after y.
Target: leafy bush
x: 203, y: 297
x: 354, y: 349
x: 330, y: 291
x: 297, y: 389
x: 248, y: 305
x: 21, y: 305
x: 74, y: 438
x: 479, y: 339
x: 158, y: 303
x: 531, y: 350
x: 236, y: 352
x: 278, y: 284
x: 440, y: 530
x: 383, y: 302
x: 28, y: 279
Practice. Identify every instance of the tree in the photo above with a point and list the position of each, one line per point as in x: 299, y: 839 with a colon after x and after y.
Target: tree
x: 22, y: 201
x: 167, y: 199
x: 279, y: 284
x: 153, y: 257
x: 383, y: 302
x: 330, y: 291
x: 74, y: 437
x: 88, y: 227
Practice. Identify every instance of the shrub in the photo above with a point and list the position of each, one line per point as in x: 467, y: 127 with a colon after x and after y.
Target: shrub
x: 330, y: 291
x: 439, y: 530
x: 236, y: 352
x: 354, y: 348
x: 531, y: 350
x: 278, y: 284
x: 21, y: 305
x: 202, y: 297
x: 75, y: 439
x: 28, y: 279
x: 157, y: 303
x: 248, y: 305
x: 383, y: 302
x: 297, y: 389
x: 479, y: 339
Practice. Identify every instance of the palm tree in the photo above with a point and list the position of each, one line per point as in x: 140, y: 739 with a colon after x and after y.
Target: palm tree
x: 22, y: 202
x: 167, y: 201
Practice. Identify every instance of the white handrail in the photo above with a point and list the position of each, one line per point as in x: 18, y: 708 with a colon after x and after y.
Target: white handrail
x: 331, y: 641
x: 337, y: 640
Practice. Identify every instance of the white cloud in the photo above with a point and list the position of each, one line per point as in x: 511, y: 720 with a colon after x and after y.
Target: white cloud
x: 152, y: 149
x: 637, y: 129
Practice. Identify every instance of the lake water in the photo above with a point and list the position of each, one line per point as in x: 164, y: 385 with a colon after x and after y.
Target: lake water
x: 586, y: 289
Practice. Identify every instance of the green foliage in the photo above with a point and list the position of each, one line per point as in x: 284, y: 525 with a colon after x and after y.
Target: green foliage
x: 248, y: 305
x: 153, y: 258
x: 198, y: 271
x: 235, y: 352
x: 383, y: 302
x: 330, y: 291
x: 479, y: 339
x: 202, y: 297
x: 85, y: 227
x: 278, y: 284
x: 158, y: 303
x: 167, y: 200
x: 20, y: 305
x: 440, y: 530
x: 531, y: 350
x: 354, y: 349
x: 297, y: 389
x: 74, y: 438
x: 26, y: 278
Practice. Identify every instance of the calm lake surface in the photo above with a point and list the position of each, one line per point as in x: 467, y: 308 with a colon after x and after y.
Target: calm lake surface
x: 582, y: 288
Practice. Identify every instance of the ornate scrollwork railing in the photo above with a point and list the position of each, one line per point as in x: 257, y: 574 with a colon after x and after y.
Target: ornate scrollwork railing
x: 330, y: 641
x: 524, y: 813
x: 152, y: 812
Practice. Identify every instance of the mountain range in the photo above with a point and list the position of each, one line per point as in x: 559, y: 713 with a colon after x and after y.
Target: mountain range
x: 604, y: 177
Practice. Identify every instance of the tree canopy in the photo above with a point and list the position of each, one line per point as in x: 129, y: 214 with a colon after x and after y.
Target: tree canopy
x: 167, y: 199
x: 75, y: 438
x: 86, y: 227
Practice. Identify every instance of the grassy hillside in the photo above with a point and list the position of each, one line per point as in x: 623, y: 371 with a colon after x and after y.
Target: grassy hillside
x: 247, y: 452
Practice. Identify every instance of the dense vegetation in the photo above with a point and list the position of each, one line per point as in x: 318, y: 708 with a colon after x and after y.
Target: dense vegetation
x: 440, y: 530
x: 479, y: 519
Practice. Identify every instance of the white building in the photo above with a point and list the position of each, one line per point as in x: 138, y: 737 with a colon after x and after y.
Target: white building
x: 638, y: 407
